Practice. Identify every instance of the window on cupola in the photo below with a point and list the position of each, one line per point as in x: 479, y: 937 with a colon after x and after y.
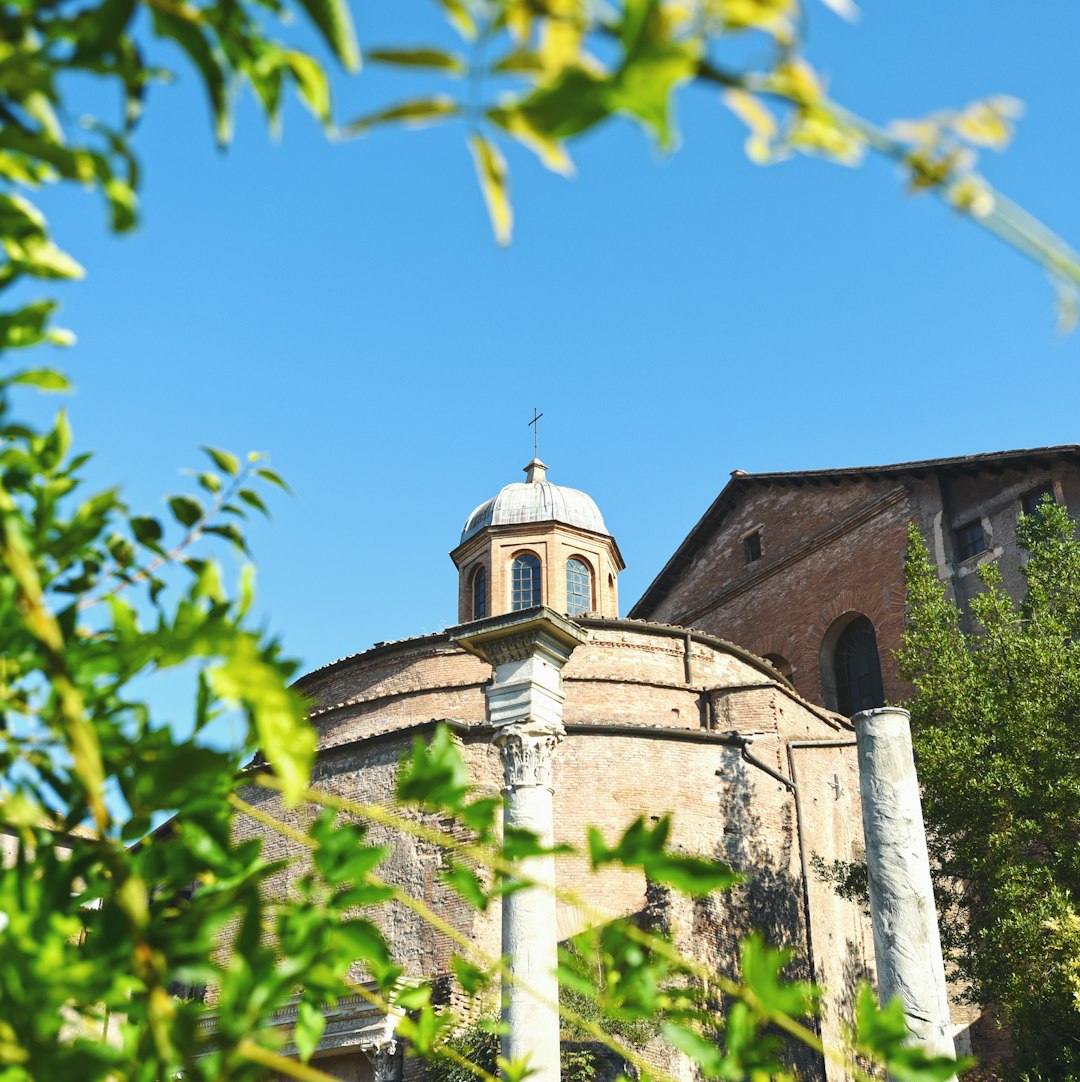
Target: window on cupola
x: 578, y: 587
x: 525, y: 582
x: 479, y: 593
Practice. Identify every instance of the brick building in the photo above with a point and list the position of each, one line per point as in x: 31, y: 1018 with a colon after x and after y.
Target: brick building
x: 806, y: 568
x: 654, y: 718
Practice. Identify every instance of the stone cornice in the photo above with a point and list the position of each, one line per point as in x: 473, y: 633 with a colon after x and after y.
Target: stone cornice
x: 514, y: 636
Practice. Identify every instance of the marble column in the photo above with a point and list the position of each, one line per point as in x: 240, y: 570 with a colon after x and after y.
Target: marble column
x: 528, y: 650
x: 906, y: 940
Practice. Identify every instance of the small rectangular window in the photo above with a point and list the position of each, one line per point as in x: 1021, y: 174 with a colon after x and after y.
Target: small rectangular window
x: 970, y: 540
x: 1030, y: 500
x: 752, y: 547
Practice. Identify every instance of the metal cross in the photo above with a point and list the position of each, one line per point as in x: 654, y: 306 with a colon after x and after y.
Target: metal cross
x: 836, y: 786
x: 536, y: 432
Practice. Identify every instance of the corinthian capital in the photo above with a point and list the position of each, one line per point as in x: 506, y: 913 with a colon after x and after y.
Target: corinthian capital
x: 528, y: 755
x: 386, y: 1061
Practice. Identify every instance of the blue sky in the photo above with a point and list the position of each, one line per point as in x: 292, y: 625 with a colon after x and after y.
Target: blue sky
x: 344, y: 309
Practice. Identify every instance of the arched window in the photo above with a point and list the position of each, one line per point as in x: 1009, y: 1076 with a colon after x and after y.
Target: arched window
x: 780, y: 664
x: 525, y: 582
x: 578, y: 586
x: 479, y: 593
x: 857, y: 668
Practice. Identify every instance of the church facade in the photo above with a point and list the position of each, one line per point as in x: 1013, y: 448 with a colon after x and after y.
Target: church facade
x: 807, y: 568
x: 644, y: 718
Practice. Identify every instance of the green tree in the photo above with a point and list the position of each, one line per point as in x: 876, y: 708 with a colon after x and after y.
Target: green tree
x: 994, y: 719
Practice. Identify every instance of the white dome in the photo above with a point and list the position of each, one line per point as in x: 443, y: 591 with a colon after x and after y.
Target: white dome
x: 536, y: 500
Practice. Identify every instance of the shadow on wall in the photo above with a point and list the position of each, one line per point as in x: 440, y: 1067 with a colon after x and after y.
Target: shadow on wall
x: 770, y: 901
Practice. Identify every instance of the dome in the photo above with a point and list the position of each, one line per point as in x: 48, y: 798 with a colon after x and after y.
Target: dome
x: 536, y: 500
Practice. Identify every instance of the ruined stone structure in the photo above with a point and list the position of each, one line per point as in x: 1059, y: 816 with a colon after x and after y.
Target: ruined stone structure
x: 806, y: 568
x: 588, y: 719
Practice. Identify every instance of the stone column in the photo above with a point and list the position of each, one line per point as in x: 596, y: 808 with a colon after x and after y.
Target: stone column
x: 528, y: 650
x: 906, y: 940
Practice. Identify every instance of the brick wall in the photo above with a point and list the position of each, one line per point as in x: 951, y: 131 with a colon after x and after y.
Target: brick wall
x: 826, y: 550
x: 647, y: 710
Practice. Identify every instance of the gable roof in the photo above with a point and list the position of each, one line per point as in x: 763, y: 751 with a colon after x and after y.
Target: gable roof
x: 995, y: 462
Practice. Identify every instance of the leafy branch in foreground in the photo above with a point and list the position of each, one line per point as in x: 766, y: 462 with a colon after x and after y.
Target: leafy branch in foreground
x: 542, y: 73
x: 539, y: 73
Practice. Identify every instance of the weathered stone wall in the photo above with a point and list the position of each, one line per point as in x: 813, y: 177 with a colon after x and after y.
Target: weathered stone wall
x: 650, y: 713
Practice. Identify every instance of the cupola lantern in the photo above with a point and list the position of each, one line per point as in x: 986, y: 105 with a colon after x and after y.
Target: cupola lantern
x: 537, y: 543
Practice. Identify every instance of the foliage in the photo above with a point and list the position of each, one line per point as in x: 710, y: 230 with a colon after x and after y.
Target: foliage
x: 636, y: 1032
x: 543, y: 73
x: 477, y: 1043
x: 993, y: 716
x: 540, y: 73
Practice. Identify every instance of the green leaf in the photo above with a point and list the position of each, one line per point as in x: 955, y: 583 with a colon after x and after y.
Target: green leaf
x: 459, y: 17
x: 419, y: 58
x: 186, y: 510
x: 494, y: 184
x: 413, y: 997
x: 482, y: 814
x: 434, y: 773
x: 575, y: 102
x: 761, y: 967
x: 190, y: 37
x: 224, y: 460
x: 312, y: 83
x: 646, y: 84
x: 551, y: 152
x: 640, y: 847
x: 287, y: 740
x: 253, y: 499
x: 274, y: 479
x: 210, y: 481
x: 703, y: 1052
x: 29, y: 326
x: 39, y: 257
x: 414, y: 113
x: 472, y: 979
x: 45, y: 379
x: 123, y: 203
x: 366, y: 943
x: 147, y: 530
x: 308, y: 1029
x: 334, y: 21
x: 230, y: 531
x: 466, y: 883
